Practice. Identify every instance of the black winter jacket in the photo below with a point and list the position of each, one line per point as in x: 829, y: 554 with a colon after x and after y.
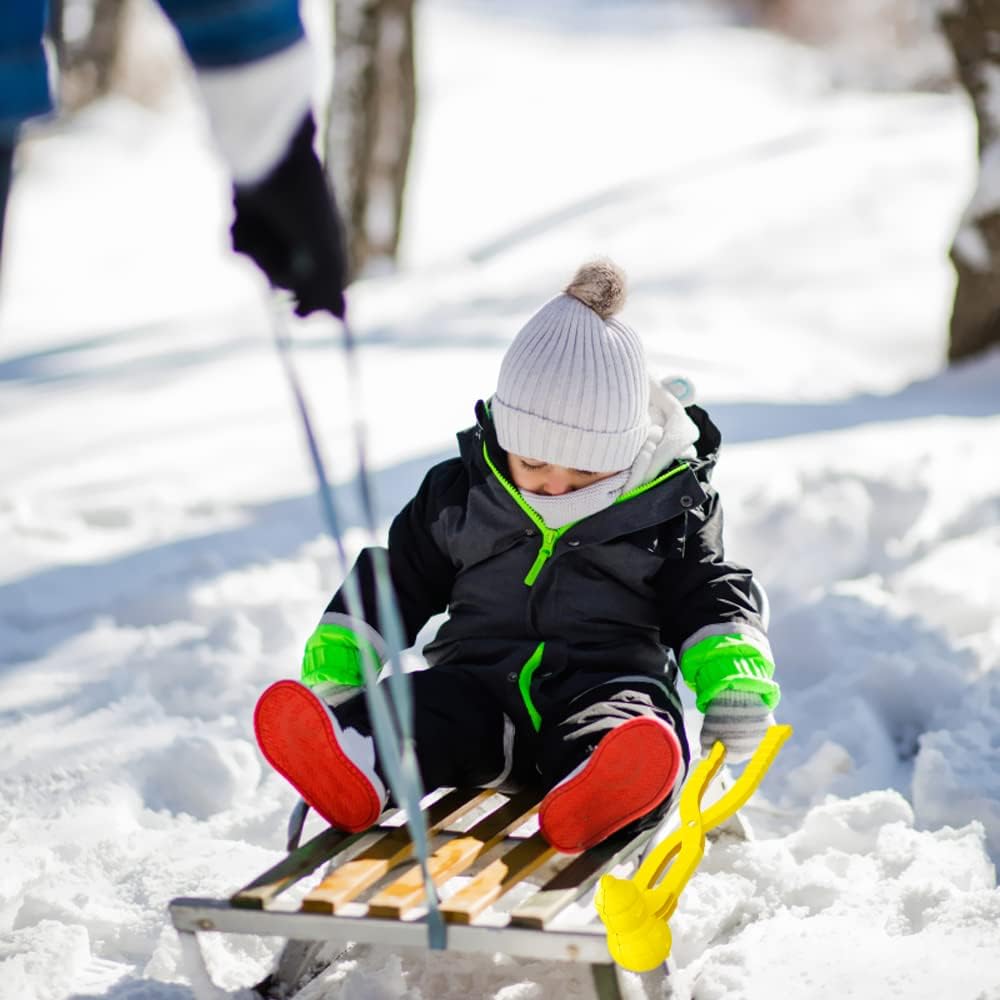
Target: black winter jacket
x: 619, y: 591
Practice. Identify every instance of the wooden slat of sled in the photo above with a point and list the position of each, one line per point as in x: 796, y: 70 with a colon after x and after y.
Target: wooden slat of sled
x: 349, y: 880
x: 569, y: 884
x: 497, y: 878
x: 290, y: 869
x: 454, y: 857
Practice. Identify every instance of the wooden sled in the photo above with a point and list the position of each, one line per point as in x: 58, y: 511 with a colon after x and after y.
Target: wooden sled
x: 372, y: 892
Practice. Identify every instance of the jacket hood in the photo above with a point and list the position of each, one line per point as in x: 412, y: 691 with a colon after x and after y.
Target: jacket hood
x: 670, y: 436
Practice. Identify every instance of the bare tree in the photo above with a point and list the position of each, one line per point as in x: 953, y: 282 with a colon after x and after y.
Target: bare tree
x: 370, y: 126
x: 973, y: 31
x: 87, y: 36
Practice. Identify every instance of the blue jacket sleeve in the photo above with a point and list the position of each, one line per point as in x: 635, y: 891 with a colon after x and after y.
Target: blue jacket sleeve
x: 215, y: 33
x: 221, y: 33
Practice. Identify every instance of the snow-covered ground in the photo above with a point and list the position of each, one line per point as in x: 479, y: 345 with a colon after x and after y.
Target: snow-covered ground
x: 163, y: 557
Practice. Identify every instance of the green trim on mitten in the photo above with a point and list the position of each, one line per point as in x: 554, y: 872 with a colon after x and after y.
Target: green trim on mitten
x: 333, y: 655
x: 728, y: 663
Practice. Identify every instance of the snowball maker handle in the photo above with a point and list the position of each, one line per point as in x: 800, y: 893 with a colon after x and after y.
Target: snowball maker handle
x: 634, y: 912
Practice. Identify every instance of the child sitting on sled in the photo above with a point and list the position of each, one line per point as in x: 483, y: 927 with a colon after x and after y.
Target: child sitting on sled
x: 576, y: 545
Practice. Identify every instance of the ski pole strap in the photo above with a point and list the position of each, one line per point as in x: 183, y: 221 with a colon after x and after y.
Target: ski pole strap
x: 392, y: 718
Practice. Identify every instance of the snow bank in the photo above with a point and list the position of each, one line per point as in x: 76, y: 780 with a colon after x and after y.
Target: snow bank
x: 925, y: 900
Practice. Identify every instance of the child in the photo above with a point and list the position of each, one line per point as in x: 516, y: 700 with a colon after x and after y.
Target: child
x: 576, y: 546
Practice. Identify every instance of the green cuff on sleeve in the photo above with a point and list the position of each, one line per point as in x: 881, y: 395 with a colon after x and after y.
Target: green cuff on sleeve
x: 728, y: 663
x: 333, y: 655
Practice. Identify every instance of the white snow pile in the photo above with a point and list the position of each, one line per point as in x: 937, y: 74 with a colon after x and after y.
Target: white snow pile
x: 163, y: 558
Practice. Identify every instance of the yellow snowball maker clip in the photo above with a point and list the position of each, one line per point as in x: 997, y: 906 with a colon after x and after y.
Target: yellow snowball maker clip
x: 634, y: 912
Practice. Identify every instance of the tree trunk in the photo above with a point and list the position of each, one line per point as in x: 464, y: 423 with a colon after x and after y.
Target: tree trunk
x: 972, y: 28
x: 87, y: 38
x: 370, y: 126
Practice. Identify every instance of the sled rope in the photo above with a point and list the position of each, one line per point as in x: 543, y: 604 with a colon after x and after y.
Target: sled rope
x: 392, y: 717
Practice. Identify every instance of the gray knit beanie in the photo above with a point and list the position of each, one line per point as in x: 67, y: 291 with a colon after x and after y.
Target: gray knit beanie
x: 573, y: 388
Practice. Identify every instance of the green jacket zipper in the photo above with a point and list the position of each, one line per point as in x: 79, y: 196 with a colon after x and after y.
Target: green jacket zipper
x: 549, y: 538
x: 549, y: 535
x: 552, y: 535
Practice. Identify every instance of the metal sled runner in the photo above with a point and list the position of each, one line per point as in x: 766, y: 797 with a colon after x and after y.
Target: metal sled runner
x: 372, y: 892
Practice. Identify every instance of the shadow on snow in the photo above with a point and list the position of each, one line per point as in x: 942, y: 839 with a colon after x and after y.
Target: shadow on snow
x: 46, y: 608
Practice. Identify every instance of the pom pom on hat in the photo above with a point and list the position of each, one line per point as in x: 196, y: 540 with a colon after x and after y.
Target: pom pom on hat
x: 600, y: 285
x: 573, y: 388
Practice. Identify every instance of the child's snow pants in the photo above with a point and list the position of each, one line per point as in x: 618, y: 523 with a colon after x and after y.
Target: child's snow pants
x: 469, y: 733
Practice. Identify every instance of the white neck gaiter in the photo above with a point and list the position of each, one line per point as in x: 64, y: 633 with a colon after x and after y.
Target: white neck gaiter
x: 567, y: 508
x: 671, y: 435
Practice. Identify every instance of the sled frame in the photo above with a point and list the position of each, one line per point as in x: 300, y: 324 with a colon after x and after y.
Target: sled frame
x: 378, y: 864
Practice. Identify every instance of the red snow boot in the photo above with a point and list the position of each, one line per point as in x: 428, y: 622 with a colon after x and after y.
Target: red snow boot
x: 631, y: 772
x: 332, y: 768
